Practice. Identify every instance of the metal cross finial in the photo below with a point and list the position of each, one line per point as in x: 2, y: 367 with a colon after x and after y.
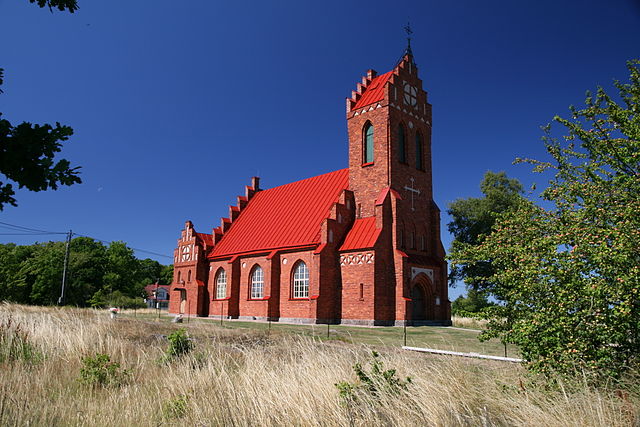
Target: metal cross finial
x: 407, y: 29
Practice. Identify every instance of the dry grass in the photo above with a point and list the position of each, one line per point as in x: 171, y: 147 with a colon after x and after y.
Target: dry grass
x: 240, y: 377
x: 468, y: 322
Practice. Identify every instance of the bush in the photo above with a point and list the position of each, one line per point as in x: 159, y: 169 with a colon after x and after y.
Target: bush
x: 100, y: 371
x: 175, y: 408
x: 372, y: 383
x: 115, y: 299
x: 179, y: 345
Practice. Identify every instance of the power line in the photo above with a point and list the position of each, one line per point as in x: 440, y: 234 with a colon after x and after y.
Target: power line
x: 28, y: 234
x: 130, y: 247
x: 27, y: 231
x: 19, y: 227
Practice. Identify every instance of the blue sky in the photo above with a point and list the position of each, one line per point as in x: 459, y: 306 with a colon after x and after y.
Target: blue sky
x: 176, y: 105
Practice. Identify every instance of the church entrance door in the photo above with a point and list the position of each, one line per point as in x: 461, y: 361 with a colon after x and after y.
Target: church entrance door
x: 183, y: 300
x: 422, y: 300
x: 418, y: 311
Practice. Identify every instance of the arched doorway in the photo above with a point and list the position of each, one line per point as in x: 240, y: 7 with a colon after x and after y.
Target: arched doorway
x: 418, y: 311
x: 183, y: 300
x: 422, y: 301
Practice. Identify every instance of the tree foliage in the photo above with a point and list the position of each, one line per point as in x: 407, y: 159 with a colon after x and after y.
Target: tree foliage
x: 27, y: 151
x: 97, y: 276
x: 472, y: 219
x: 569, y: 276
x: 61, y: 5
x: 475, y: 302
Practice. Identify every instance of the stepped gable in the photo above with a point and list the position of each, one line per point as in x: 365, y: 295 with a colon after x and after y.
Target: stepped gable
x: 287, y: 216
x: 234, y: 211
x: 372, y: 91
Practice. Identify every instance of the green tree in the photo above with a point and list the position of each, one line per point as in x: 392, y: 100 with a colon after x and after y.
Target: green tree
x: 166, y: 274
x: 472, y: 219
x: 27, y: 151
x: 42, y: 273
x: 569, y: 276
x: 13, y: 287
x: 475, y: 302
x: 122, y: 270
x: 87, y: 266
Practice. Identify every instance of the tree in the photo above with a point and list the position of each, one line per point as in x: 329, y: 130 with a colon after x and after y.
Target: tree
x: 87, y: 267
x: 70, y: 5
x: 473, y: 218
x: 27, y: 151
x: 122, y: 270
x: 475, y: 302
x: 569, y: 276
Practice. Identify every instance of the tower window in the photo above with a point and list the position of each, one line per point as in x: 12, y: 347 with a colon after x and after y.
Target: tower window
x: 257, y: 283
x: 402, y: 146
x: 368, y: 144
x: 419, y: 152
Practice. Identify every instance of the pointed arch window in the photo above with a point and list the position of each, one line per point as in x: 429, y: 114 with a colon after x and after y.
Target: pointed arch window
x: 300, y: 281
x: 221, y: 284
x: 419, y: 152
x: 402, y: 145
x: 367, y: 143
x: 257, y: 283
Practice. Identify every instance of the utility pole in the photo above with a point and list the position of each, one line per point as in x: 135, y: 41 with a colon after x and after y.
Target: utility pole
x: 64, y: 268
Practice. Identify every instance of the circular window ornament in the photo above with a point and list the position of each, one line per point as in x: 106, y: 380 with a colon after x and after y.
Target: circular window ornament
x: 284, y: 260
x: 410, y: 95
x: 410, y: 125
x: 244, y: 265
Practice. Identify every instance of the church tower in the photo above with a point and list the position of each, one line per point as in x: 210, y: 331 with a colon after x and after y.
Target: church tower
x: 389, y: 127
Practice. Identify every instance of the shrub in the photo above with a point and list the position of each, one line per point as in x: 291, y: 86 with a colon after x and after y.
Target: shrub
x: 100, y: 371
x: 179, y: 343
x: 175, y: 408
x: 372, y: 383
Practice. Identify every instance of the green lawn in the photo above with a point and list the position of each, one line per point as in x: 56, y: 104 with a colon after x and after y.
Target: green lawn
x: 441, y: 338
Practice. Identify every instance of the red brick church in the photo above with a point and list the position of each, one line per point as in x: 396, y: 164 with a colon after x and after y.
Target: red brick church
x: 356, y: 246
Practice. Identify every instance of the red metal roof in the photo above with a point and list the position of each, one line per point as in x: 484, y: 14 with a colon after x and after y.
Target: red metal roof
x: 383, y: 195
x: 363, y: 234
x: 285, y: 216
x: 374, y: 91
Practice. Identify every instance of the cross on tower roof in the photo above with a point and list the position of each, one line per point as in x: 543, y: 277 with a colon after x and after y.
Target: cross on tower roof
x: 407, y: 29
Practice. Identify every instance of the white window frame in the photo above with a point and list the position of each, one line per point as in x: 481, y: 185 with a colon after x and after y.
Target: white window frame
x: 221, y: 284
x: 300, y: 281
x: 257, y: 283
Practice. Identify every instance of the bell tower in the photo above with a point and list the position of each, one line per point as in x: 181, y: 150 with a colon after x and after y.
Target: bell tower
x: 389, y: 126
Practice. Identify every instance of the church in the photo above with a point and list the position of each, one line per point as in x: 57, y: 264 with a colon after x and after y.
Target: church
x: 357, y: 246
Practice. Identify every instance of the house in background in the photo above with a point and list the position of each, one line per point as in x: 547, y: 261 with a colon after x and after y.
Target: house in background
x: 157, y: 296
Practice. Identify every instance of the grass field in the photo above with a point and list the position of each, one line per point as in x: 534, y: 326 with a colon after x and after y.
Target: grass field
x: 243, y: 375
x: 442, y: 338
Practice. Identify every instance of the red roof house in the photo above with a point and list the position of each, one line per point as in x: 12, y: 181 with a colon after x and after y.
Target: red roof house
x: 359, y: 245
